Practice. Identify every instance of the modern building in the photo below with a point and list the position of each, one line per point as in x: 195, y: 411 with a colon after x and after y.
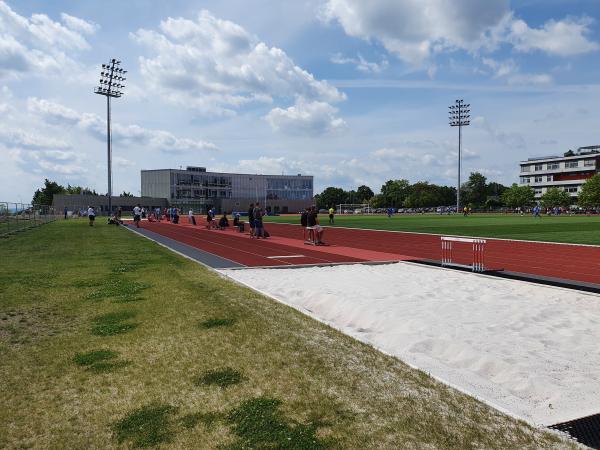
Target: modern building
x: 567, y: 172
x: 200, y: 190
x: 80, y: 202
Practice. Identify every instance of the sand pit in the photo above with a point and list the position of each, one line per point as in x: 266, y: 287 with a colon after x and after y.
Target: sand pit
x: 530, y: 350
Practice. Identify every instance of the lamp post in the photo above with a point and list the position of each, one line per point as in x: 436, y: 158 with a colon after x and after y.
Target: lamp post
x: 111, y: 77
x: 459, y: 117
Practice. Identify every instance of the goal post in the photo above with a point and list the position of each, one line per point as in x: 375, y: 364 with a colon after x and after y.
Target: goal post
x: 354, y: 208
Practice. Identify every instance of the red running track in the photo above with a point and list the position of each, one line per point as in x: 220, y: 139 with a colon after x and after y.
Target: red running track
x: 570, y: 262
x: 275, y: 251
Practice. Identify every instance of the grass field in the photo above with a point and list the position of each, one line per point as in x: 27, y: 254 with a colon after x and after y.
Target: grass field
x: 108, y: 340
x: 578, y: 229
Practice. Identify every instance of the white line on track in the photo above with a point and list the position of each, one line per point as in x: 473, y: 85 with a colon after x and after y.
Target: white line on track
x: 286, y: 256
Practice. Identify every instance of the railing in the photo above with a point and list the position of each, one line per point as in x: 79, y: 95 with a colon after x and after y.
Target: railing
x: 17, y: 217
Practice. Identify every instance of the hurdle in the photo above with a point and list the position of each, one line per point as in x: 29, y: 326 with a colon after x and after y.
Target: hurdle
x: 478, y: 264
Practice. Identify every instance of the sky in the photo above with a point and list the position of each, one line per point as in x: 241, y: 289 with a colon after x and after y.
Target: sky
x: 352, y: 92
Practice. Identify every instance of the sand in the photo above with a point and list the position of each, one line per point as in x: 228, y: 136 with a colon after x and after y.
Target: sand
x: 529, y: 350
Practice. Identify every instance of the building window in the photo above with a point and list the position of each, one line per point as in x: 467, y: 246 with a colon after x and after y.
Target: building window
x: 549, y: 178
x: 526, y: 169
x: 589, y: 162
x: 571, y: 164
x: 537, y: 191
x: 553, y: 166
x: 571, y: 189
x: 538, y: 179
x: 539, y: 167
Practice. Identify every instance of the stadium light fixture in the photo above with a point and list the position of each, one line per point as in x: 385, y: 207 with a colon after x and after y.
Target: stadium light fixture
x: 458, y: 116
x: 110, y: 86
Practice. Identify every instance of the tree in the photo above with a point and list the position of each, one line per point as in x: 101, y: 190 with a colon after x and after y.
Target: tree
x: 475, y: 189
x: 377, y: 201
x: 555, y: 197
x: 126, y: 194
x: 589, y: 197
x: 45, y: 195
x: 331, y: 196
x: 364, y: 194
x: 395, y: 192
x: 518, y: 196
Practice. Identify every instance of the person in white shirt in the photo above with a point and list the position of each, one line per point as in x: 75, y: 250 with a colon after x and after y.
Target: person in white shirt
x: 191, y: 218
x: 137, y: 211
x: 91, y: 215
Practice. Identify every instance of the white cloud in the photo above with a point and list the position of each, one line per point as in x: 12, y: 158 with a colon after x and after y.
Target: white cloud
x: 38, y: 44
x: 306, y: 118
x: 531, y: 78
x: 500, y: 68
x: 55, y: 113
x: 215, y: 66
x: 11, y: 137
x: 361, y: 63
x: 564, y: 37
x: 511, y: 140
x: 79, y: 25
x: 415, y: 30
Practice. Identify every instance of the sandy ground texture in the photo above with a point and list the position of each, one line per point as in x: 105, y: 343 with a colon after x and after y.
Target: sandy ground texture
x: 530, y: 350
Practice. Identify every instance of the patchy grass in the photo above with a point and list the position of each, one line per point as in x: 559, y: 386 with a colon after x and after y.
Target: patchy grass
x: 99, y: 360
x: 258, y: 423
x: 219, y: 377
x: 147, y: 426
x: 113, y: 323
x: 121, y: 289
x: 316, y: 387
x: 216, y: 323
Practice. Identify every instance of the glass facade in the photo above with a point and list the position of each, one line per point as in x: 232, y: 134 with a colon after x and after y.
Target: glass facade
x: 289, y: 188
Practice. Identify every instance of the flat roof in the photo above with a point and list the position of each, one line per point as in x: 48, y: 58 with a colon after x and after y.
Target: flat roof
x: 225, y: 173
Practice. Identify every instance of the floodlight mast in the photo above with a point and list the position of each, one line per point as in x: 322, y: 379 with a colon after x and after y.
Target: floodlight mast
x: 459, y: 117
x: 111, y: 77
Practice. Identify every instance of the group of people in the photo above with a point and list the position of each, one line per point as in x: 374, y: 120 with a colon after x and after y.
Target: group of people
x: 312, y: 230
x: 211, y: 220
x: 255, y: 220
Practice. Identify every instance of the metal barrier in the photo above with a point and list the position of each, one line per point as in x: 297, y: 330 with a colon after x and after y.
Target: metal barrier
x: 478, y: 246
x: 17, y: 217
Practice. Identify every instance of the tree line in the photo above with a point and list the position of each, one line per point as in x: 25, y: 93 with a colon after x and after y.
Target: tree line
x: 45, y: 194
x: 476, y: 192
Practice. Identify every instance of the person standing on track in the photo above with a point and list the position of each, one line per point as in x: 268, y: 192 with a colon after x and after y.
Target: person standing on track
x: 137, y: 211
x: 258, y: 214
x: 313, y: 223
x: 331, y: 214
x: 304, y: 221
x: 251, y: 219
x: 191, y: 218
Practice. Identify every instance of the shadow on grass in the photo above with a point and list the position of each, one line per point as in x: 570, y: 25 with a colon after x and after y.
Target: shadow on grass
x: 215, y: 323
x: 147, y: 426
x: 113, y: 323
x: 99, y: 360
x: 219, y: 377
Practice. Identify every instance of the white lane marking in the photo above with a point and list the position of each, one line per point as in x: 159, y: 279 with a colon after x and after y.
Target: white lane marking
x: 286, y: 256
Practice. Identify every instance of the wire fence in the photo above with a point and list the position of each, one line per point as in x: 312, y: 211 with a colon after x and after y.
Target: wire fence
x: 17, y: 217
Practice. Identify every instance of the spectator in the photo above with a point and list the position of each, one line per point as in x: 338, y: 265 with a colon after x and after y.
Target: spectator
x: 175, y: 215
x: 304, y: 222
x: 119, y: 213
x: 210, y: 223
x: 223, y: 222
x: 143, y: 213
x: 137, y: 211
x: 91, y: 215
x: 331, y: 214
x: 251, y: 219
x: 258, y: 214
x: 191, y: 218
x: 313, y: 225
x: 66, y: 211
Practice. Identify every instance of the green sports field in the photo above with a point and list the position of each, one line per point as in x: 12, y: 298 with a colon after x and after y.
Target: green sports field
x: 577, y: 229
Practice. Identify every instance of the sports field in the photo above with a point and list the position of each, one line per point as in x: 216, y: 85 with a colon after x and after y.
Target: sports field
x: 108, y: 340
x: 577, y: 229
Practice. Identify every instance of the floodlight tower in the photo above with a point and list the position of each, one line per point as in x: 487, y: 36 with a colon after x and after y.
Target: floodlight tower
x: 459, y: 117
x: 111, y: 78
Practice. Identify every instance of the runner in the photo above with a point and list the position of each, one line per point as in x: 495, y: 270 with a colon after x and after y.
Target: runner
x: 91, y: 215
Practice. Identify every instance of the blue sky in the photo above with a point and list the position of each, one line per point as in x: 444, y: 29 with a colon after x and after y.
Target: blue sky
x: 352, y: 92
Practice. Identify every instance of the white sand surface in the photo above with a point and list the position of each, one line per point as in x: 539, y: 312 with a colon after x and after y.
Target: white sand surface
x: 527, y: 349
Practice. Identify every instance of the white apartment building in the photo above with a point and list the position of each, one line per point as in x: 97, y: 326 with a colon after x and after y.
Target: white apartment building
x: 567, y: 172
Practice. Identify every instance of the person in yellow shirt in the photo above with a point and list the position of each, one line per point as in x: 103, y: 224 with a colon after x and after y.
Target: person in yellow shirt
x: 331, y: 213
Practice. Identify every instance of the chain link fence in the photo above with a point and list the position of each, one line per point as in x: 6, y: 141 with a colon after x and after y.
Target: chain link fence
x: 17, y: 217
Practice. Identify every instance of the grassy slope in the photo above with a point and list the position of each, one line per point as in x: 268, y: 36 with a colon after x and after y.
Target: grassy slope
x: 263, y: 375
x: 575, y: 229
